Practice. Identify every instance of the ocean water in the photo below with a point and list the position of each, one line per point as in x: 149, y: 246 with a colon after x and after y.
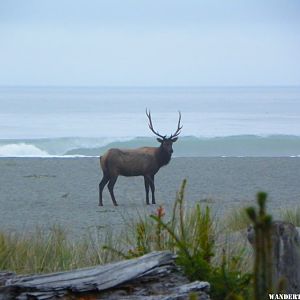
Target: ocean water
x: 81, y: 121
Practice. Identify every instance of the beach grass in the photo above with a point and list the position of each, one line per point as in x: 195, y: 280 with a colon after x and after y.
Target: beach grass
x: 44, y: 251
x: 237, y: 219
x: 291, y: 215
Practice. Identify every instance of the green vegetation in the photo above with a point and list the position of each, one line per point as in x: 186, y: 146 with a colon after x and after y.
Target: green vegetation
x: 192, y: 235
x: 291, y: 215
x: 262, y: 222
x: 237, y: 219
x: 48, y: 251
x: 204, y: 250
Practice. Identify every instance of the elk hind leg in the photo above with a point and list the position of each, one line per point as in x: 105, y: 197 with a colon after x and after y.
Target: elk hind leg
x: 102, y: 184
x: 110, y: 186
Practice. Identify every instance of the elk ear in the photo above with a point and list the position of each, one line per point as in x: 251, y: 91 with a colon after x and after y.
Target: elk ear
x: 159, y: 140
x: 174, y: 139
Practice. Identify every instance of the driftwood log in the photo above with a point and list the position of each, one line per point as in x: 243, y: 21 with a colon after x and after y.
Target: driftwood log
x: 151, y: 277
x: 286, y: 254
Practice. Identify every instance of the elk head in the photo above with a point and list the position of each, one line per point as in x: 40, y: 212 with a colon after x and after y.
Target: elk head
x: 166, y: 142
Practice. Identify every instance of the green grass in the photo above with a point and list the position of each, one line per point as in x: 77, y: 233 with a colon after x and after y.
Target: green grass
x: 291, y: 215
x: 237, y: 219
x: 49, y: 251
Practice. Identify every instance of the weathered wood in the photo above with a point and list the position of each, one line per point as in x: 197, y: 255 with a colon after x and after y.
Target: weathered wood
x: 152, y: 266
x: 286, y: 254
x: 100, y: 277
x: 4, y: 276
x: 176, y: 293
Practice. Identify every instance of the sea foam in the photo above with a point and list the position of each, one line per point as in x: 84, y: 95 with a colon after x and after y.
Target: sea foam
x: 21, y: 150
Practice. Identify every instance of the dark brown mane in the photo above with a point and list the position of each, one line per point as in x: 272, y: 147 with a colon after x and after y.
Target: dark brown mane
x: 162, y: 156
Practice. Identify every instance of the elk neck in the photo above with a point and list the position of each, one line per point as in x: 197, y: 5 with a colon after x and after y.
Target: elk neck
x: 162, y: 156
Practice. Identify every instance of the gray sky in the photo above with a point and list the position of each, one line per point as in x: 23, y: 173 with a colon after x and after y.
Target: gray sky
x: 146, y: 43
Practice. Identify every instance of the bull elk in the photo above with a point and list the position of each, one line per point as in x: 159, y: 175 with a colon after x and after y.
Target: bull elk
x: 145, y: 161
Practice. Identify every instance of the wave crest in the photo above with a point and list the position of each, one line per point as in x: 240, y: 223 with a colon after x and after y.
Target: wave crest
x: 187, y: 146
x: 21, y: 150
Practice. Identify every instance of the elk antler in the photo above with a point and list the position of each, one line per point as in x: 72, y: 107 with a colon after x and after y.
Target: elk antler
x: 177, y: 132
x: 151, y: 126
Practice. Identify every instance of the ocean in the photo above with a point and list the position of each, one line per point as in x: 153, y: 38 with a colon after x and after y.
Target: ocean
x: 85, y: 121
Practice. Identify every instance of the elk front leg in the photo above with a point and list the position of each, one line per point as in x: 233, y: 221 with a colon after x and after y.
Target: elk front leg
x: 146, y: 181
x: 152, y: 186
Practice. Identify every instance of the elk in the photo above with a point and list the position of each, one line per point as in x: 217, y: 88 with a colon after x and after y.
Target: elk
x: 144, y: 161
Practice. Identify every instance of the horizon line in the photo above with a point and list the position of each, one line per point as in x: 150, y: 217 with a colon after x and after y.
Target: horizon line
x: 150, y: 86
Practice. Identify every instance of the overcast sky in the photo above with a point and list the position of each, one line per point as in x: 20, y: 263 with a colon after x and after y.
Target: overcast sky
x: 149, y: 42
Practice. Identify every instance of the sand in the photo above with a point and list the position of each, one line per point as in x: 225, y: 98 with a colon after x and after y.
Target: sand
x: 47, y: 191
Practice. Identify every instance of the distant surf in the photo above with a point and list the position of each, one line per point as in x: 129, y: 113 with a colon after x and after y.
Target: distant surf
x: 84, y: 121
x: 187, y: 146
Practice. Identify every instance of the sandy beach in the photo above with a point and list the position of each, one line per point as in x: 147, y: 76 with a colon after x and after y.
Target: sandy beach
x: 47, y: 191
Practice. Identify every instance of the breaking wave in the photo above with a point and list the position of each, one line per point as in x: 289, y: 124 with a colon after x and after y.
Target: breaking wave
x: 187, y: 146
x: 21, y: 150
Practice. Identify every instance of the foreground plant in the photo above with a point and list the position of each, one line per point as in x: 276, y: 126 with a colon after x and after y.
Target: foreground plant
x: 193, y: 237
x: 262, y: 222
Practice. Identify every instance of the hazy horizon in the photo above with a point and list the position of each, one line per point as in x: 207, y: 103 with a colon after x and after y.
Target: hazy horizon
x: 140, y: 43
x: 151, y: 86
